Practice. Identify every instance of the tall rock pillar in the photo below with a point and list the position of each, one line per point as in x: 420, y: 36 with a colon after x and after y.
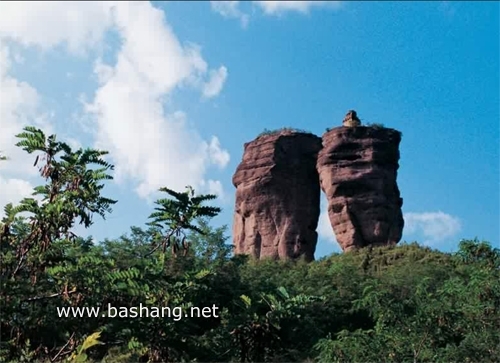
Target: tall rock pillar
x: 358, y: 171
x: 278, y: 196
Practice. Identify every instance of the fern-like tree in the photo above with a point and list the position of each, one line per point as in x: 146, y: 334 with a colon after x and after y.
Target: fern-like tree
x: 36, y: 235
x: 175, y: 216
x: 73, y: 190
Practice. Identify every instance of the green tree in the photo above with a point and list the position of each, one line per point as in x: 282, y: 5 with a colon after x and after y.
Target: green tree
x: 37, y: 235
x: 210, y: 246
x: 174, y: 217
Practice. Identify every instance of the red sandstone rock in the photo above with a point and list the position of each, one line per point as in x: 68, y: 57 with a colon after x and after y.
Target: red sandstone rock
x: 277, y: 197
x: 358, y: 170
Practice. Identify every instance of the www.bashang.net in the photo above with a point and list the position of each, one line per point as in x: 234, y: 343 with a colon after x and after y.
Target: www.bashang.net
x: 141, y: 311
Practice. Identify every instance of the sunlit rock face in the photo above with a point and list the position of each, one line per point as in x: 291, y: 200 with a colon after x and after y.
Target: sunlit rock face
x: 358, y: 170
x: 278, y: 197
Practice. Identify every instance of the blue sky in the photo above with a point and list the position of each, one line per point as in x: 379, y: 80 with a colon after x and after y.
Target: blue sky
x: 173, y: 90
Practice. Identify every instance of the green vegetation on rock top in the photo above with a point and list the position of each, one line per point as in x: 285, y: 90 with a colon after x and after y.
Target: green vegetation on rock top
x: 283, y: 129
x: 375, y: 125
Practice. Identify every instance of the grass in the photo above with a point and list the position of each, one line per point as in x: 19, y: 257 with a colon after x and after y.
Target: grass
x: 283, y: 129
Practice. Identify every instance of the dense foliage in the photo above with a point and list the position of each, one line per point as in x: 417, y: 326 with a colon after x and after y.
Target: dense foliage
x: 395, y: 304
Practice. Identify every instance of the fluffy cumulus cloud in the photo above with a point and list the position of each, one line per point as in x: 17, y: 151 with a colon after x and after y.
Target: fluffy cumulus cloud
x: 218, y: 156
x: 150, y: 145
x: 434, y: 226
x: 231, y: 9
x: 19, y: 106
x: 46, y: 24
x: 215, y: 83
x: 214, y: 187
x: 43, y: 26
x: 13, y: 190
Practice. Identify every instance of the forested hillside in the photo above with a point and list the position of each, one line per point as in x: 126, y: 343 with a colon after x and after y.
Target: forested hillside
x: 393, y: 304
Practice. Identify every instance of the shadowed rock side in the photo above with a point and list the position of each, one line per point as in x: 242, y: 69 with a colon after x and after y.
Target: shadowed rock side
x: 358, y: 171
x: 277, y: 197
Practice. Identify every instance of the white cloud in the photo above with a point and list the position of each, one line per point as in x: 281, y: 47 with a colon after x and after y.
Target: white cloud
x: 218, y: 156
x: 41, y: 24
x: 103, y: 72
x: 230, y: 9
x: 215, y: 83
x: 212, y: 187
x: 436, y: 226
x: 148, y: 144
x: 325, y: 230
x: 73, y: 143
x: 13, y: 190
x: 279, y: 7
x: 19, y: 107
x: 46, y: 24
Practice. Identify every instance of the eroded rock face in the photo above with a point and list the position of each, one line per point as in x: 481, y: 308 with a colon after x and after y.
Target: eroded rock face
x: 277, y: 197
x: 358, y: 170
